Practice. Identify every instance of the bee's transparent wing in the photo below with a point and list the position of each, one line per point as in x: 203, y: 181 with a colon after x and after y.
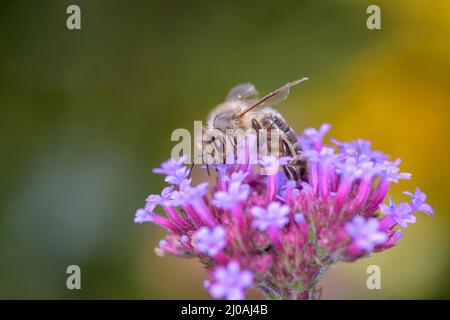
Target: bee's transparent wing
x: 244, y: 91
x: 272, y: 98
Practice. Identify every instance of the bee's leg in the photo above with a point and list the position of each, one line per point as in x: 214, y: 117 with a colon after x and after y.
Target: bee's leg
x: 206, y: 163
x: 290, y: 172
x: 190, y: 169
x: 299, y: 166
x: 285, y: 148
x: 288, y: 169
x: 302, y: 165
x: 296, y: 168
x: 256, y: 126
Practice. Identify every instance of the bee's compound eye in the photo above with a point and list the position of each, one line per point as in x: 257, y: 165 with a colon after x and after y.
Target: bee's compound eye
x: 217, y: 142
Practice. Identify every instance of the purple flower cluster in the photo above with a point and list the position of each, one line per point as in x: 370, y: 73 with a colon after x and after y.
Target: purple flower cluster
x: 263, y: 231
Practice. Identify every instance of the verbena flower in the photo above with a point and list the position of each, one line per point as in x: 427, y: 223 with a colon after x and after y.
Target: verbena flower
x: 230, y: 198
x: 154, y: 200
x: 178, y: 176
x: 402, y: 214
x: 276, y: 215
x: 142, y: 215
x: 254, y: 228
x: 170, y: 166
x: 418, y: 202
x: 210, y: 240
x: 365, y: 233
x: 230, y: 282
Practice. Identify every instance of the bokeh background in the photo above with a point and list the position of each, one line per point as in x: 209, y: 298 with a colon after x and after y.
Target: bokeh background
x: 85, y: 115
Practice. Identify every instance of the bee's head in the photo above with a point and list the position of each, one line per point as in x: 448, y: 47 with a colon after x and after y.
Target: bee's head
x: 224, y: 116
x: 224, y: 120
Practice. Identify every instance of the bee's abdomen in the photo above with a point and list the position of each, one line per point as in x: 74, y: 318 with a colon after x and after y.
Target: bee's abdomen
x: 282, y: 125
x: 296, y: 168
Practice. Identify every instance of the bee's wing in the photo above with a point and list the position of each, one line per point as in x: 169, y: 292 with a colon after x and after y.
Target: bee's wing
x: 244, y: 91
x: 272, y: 98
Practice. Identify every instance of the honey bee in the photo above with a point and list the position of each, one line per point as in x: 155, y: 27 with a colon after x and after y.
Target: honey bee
x: 243, y: 109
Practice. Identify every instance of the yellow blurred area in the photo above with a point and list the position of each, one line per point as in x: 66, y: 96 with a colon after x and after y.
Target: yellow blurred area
x: 398, y: 96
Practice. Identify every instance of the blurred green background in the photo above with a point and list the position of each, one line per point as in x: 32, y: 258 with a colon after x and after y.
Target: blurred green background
x: 85, y: 115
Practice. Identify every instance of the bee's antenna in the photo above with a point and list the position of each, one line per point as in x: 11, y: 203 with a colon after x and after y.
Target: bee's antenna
x: 284, y: 89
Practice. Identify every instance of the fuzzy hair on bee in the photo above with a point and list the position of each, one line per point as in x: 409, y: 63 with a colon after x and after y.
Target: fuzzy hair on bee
x: 243, y: 110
